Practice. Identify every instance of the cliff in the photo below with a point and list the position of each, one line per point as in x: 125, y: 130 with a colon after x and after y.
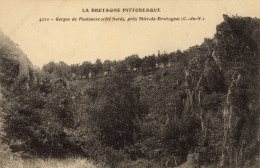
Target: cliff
x: 16, y: 71
x: 218, y: 87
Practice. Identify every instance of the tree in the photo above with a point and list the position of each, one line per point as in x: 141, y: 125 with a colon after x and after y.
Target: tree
x: 120, y: 67
x: 133, y: 61
x: 61, y: 70
x: 36, y: 120
x: 116, y: 109
x: 97, y: 67
x: 107, y: 65
x: 74, y: 68
x: 50, y: 67
x: 148, y: 63
x: 163, y: 59
x: 85, y: 68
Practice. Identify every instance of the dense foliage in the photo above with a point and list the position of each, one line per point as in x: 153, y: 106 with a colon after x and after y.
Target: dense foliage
x: 201, y: 103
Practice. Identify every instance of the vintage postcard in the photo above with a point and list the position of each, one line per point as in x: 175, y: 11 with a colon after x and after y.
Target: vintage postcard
x: 129, y: 84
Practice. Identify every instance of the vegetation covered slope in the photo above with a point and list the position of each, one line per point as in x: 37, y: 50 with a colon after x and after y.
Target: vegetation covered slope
x: 200, y: 105
x: 210, y: 104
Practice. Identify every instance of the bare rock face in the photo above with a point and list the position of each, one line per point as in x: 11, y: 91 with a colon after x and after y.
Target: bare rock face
x: 15, y: 68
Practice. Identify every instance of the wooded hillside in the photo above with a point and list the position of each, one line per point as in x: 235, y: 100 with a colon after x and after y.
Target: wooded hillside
x: 198, y: 107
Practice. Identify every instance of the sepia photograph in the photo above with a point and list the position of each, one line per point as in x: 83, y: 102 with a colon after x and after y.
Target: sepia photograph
x: 129, y: 84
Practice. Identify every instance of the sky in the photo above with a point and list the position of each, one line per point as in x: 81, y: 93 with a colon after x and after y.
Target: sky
x: 78, y: 41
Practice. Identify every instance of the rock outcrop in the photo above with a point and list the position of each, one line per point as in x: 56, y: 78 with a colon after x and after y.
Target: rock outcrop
x: 16, y: 71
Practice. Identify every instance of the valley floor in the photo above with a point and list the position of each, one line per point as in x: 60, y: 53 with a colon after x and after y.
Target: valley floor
x: 50, y: 163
